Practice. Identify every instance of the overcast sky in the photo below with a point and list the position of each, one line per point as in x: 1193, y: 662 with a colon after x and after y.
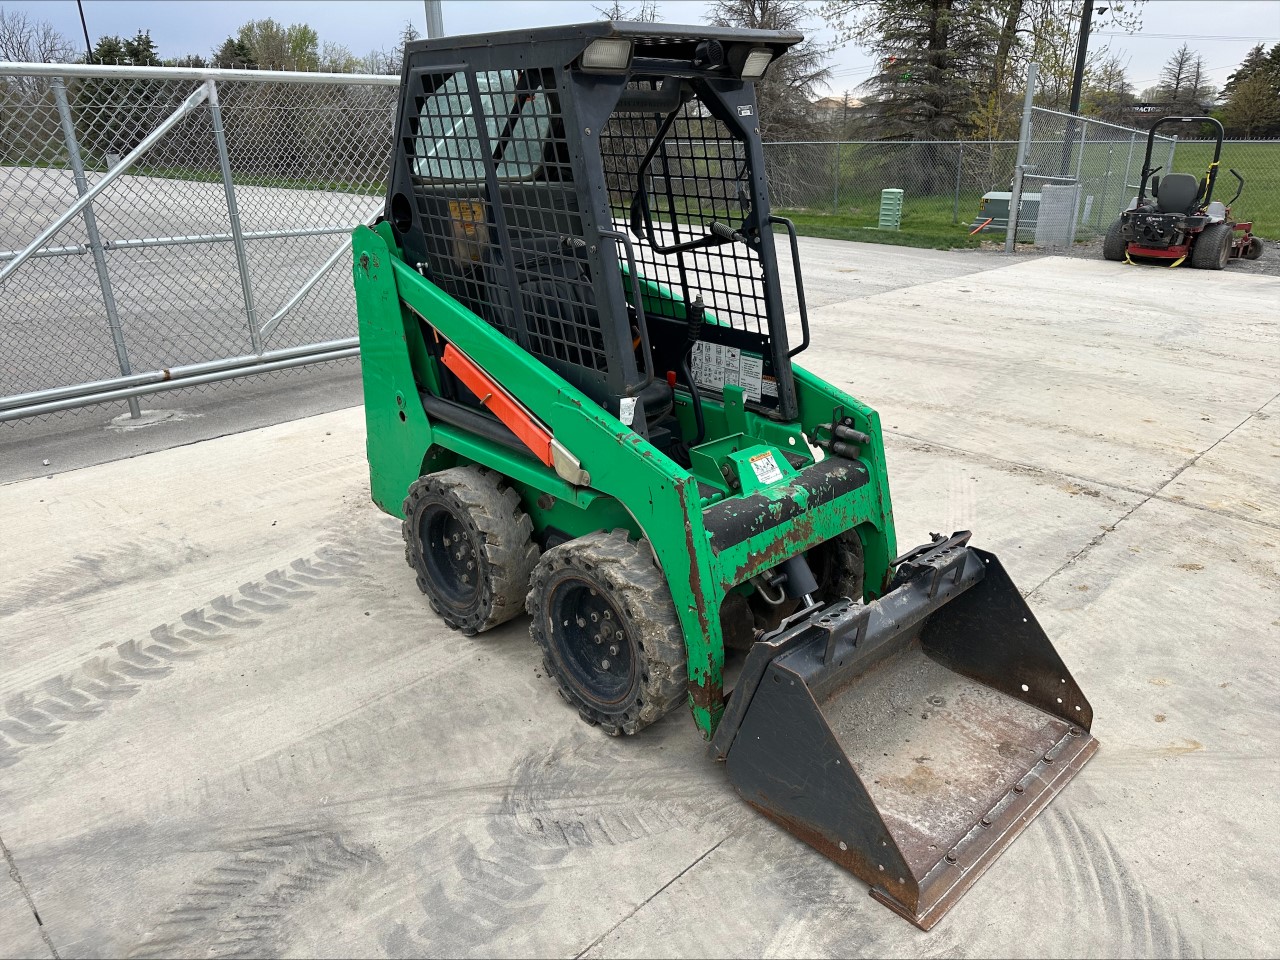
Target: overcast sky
x: 1223, y: 30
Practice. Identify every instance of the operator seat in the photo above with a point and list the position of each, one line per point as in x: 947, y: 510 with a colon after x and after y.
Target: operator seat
x: 1177, y: 193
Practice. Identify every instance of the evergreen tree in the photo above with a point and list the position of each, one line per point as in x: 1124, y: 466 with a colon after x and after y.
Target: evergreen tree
x: 141, y: 50
x: 784, y: 95
x: 931, y: 54
x: 1182, y: 86
x: 1253, y: 95
x: 109, y: 50
x: 234, y: 54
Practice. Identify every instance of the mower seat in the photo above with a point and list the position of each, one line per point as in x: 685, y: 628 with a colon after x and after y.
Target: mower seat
x: 1177, y: 193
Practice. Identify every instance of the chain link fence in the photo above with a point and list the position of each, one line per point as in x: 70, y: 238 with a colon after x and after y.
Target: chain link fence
x: 1075, y: 175
x: 169, y: 227
x: 944, y: 180
x: 164, y: 228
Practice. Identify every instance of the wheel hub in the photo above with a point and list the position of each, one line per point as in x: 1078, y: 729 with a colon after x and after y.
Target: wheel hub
x: 591, y: 642
x: 450, y: 556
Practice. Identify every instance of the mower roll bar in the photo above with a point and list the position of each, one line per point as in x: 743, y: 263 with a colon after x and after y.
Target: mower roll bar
x: 1210, y: 177
x: 1239, y: 189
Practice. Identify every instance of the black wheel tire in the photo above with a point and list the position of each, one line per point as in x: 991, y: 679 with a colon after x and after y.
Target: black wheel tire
x: 1113, y: 244
x: 1254, y: 250
x: 839, y: 567
x: 1212, y: 249
x: 481, y: 580
x: 637, y: 679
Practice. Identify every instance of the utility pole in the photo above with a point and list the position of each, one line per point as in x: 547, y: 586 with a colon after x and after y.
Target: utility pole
x: 1082, y: 54
x: 88, y: 47
x: 1077, y: 83
x: 435, y: 19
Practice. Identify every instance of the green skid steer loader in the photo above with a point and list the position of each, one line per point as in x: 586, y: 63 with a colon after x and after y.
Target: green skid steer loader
x: 581, y: 400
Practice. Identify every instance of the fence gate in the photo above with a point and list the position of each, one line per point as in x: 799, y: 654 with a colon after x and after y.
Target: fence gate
x: 1074, y: 175
x: 164, y: 228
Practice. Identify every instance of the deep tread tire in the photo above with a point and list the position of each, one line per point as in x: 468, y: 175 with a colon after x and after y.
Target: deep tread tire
x: 839, y: 567
x: 1212, y: 248
x: 624, y: 574
x: 490, y: 520
x: 1113, y: 244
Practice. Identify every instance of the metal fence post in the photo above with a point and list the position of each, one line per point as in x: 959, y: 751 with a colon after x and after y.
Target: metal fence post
x: 1075, y: 213
x: 1106, y: 184
x: 955, y: 208
x: 1128, y: 164
x: 233, y: 214
x: 95, y: 241
x: 835, y: 189
x: 1024, y: 139
x: 1173, y: 145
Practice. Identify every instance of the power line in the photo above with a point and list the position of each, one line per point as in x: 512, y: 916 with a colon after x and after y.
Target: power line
x: 1182, y: 36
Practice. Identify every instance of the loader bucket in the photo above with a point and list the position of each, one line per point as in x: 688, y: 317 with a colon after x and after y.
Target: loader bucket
x: 909, y: 739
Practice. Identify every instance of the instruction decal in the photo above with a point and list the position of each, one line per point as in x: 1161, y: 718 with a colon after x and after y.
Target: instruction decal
x: 766, y: 468
x: 715, y: 366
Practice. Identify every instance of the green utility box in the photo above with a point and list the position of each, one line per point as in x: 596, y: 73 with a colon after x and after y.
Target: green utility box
x: 890, y: 209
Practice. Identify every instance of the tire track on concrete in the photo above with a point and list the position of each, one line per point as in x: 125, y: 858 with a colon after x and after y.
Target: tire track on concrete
x: 242, y: 907
x: 1146, y: 927
x: 599, y: 794
x: 40, y: 716
x: 1090, y: 882
x: 480, y: 888
x: 90, y: 573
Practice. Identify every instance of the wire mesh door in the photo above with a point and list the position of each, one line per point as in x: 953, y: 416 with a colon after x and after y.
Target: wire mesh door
x: 683, y: 185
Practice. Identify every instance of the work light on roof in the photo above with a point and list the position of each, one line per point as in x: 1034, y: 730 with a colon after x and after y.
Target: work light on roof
x: 757, y: 61
x: 607, y: 53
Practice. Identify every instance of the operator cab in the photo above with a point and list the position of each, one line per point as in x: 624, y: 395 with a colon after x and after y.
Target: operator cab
x: 597, y: 194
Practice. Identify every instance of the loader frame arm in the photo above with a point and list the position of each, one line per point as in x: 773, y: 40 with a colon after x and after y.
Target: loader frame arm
x: 399, y: 309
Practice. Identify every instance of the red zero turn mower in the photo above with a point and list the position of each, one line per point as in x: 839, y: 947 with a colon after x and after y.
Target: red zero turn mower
x: 1181, y: 220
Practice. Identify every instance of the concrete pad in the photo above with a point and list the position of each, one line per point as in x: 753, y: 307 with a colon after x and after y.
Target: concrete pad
x: 1240, y: 474
x: 229, y: 723
x: 1138, y: 857
x: 835, y: 270
x: 19, y: 932
x: 1111, y: 374
x: 276, y: 743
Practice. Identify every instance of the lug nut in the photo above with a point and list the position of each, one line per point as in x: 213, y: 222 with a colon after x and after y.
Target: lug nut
x: 613, y: 650
x: 604, y: 664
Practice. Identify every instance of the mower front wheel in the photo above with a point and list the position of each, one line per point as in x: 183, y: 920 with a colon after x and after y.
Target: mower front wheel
x: 1212, y: 248
x: 471, y: 543
x: 604, y: 618
x: 1113, y: 244
x: 1254, y: 250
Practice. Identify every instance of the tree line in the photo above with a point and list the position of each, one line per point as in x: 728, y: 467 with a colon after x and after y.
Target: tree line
x: 264, y: 44
x: 943, y: 69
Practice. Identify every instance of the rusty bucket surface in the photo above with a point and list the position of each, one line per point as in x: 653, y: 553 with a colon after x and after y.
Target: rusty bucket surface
x: 910, y: 739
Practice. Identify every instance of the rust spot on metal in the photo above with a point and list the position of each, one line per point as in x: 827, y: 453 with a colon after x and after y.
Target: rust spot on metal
x: 704, y: 693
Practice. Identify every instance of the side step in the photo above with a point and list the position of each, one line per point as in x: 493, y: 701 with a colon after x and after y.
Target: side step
x: 910, y: 739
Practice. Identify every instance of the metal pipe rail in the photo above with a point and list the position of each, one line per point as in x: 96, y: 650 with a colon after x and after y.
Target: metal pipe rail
x: 97, y: 72
x: 80, y: 249
x: 172, y: 378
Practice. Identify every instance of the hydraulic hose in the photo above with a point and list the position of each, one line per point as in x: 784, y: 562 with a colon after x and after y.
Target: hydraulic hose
x: 697, y: 400
x: 694, y: 317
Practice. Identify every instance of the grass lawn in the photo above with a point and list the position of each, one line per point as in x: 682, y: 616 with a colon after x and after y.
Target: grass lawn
x: 1258, y: 163
x: 926, y: 222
